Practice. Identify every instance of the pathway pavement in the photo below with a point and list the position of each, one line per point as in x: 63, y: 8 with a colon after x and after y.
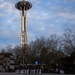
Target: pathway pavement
x: 31, y: 74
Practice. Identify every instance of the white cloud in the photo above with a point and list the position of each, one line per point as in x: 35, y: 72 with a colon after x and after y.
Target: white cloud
x: 9, y: 33
x: 35, y: 1
x: 1, y: 1
x: 6, y: 6
x: 2, y: 14
x: 31, y: 36
x: 42, y: 28
x: 67, y: 15
x: 38, y: 15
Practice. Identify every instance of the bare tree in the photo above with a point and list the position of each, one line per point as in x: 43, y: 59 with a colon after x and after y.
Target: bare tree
x: 46, y: 49
x: 69, y: 42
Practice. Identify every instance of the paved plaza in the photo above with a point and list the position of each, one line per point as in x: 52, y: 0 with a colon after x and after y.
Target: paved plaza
x: 30, y: 74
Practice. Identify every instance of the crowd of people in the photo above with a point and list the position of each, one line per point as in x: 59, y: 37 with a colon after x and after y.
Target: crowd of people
x: 28, y: 69
x: 39, y: 69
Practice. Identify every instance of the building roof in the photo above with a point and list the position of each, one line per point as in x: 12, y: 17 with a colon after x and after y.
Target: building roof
x: 6, y: 54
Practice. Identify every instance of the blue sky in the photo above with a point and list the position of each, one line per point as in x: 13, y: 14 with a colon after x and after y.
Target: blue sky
x: 44, y: 18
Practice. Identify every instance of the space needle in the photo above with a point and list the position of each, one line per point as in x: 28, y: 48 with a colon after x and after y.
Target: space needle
x: 23, y: 6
